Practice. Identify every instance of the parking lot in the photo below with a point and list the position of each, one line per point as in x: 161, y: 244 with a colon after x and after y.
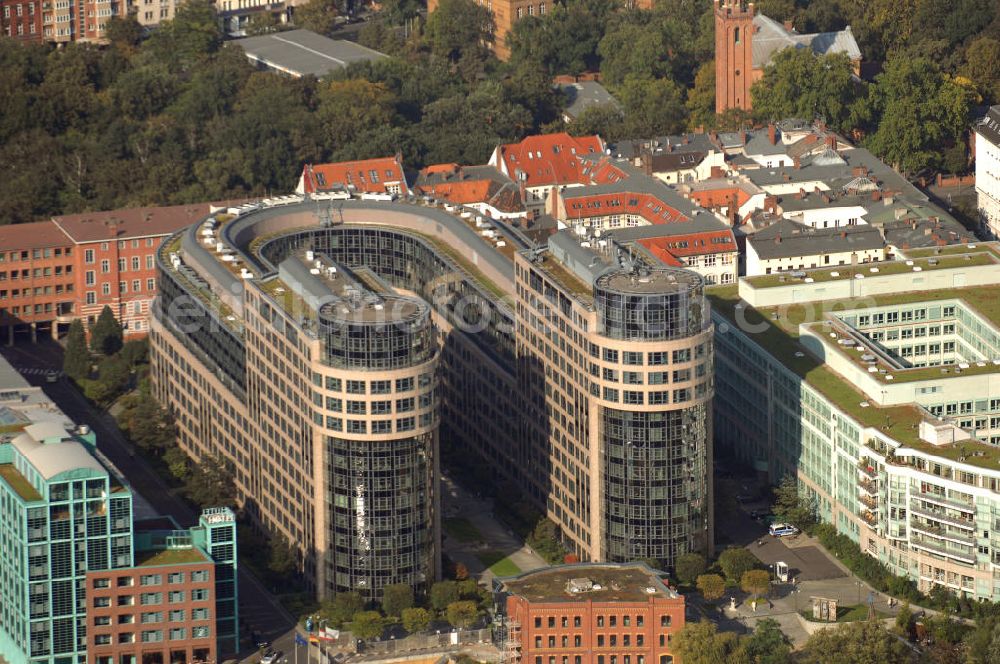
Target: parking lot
x: 805, y: 563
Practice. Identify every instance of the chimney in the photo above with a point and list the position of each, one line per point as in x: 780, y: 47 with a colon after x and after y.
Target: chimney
x: 771, y: 204
x: 801, y: 194
x: 789, y: 26
x: 777, y: 239
x: 876, y: 195
x: 859, y: 171
x: 717, y: 172
x: 795, y: 163
x: 831, y: 142
x: 772, y: 133
x: 826, y: 198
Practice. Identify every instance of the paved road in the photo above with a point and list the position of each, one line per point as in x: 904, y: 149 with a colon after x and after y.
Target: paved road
x: 258, y: 608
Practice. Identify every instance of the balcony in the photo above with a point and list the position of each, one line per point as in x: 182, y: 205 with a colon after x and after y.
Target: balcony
x: 867, y: 470
x: 870, y: 518
x: 939, y: 549
x: 941, y: 533
x: 945, y: 502
x: 968, y: 524
x: 869, y: 502
x: 868, y: 486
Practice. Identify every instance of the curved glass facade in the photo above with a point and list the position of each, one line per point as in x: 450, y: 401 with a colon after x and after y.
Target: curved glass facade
x: 655, y: 482
x: 662, y: 305
x: 377, y: 345
x: 380, y: 512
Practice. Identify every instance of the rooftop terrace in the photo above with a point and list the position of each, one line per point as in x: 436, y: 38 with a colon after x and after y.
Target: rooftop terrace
x: 18, y: 482
x: 618, y: 583
x: 161, y: 557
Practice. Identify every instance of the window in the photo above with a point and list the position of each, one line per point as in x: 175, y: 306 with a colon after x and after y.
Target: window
x: 88, y: 256
x: 600, y: 621
x: 151, y: 617
x: 610, y: 355
x: 199, y: 614
x: 199, y: 595
x: 552, y: 621
x: 147, y: 599
x: 106, y: 289
x: 90, y: 278
x: 150, y: 580
x: 381, y: 386
x: 100, y: 621
x: 665, y: 621
x: 175, y: 577
x: 404, y: 384
x: 150, y: 284
x: 199, y: 632
x: 177, y: 615
x: 102, y: 583
x: 135, y: 264
x: 175, y: 596
x: 126, y: 600
x: 356, y: 387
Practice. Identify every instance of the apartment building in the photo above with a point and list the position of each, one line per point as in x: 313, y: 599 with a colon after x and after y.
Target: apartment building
x: 588, y: 614
x: 987, y: 151
x: 251, y: 348
x: 875, y: 388
x: 21, y: 20
x: 70, y: 267
x: 67, y: 546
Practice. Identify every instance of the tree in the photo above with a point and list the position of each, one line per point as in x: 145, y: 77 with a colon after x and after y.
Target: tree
x: 734, y: 562
x: 689, y: 566
x: 712, y: 586
x: 653, y: 107
x: 76, y: 358
x: 983, y: 66
x: 860, y: 642
x: 124, y: 32
x: 317, y: 15
x: 904, y: 621
x: 916, y: 111
x: 800, y: 84
x: 416, y: 620
x: 282, y: 558
x: 792, y: 508
x: 544, y: 539
x: 211, y: 483
x: 106, y: 334
x: 460, y: 29
x: 701, y: 98
x: 757, y: 582
x: 396, y: 597
x: 349, y: 108
x: 342, y: 607
x: 605, y: 120
x: 443, y: 593
x: 177, y: 463
x: 367, y: 625
x: 263, y: 23
x: 112, y: 379
x: 631, y: 49
x: 768, y: 644
x: 701, y: 643
x: 462, y: 613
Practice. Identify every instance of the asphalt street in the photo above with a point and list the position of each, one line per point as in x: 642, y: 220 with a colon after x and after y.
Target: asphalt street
x: 259, y: 610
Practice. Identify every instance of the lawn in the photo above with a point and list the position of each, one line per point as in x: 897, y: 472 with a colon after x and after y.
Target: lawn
x: 847, y: 614
x: 462, y: 530
x: 498, y: 563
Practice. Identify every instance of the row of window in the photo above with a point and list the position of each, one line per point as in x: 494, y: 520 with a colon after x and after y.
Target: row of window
x: 371, y: 387
x: 625, y: 659
x: 378, y: 426
x: 197, y: 576
x: 653, y: 359
x: 88, y: 254
x: 610, y: 641
x: 612, y: 621
x: 36, y: 273
x: 654, y: 377
x: 384, y: 407
x: 123, y: 264
x: 35, y: 254
x: 150, y: 599
x: 155, y: 635
x: 658, y: 398
x: 150, y: 617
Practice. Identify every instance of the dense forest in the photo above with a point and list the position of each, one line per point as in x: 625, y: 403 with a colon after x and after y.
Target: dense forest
x: 177, y: 115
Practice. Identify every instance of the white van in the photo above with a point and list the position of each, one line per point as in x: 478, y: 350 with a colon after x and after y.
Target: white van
x: 782, y: 529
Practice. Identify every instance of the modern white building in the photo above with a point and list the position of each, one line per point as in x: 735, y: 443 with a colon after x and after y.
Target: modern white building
x: 988, y: 171
x: 880, y: 392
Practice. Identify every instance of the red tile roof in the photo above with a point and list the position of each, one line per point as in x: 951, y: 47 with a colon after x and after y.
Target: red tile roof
x: 649, y: 207
x: 463, y: 193
x: 33, y: 235
x: 671, y: 249
x: 548, y: 159
x: 367, y: 176
x: 721, y: 197
x: 130, y: 223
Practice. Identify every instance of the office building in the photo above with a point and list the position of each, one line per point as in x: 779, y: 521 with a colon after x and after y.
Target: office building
x: 587, y: 614
x: 987, y: 151
x: 875, y: 387
x: 70, y: 267
x: 67, y: 547
x: 307, y: 343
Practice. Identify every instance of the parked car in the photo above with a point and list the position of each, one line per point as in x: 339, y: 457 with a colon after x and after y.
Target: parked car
x: 270, y: 657
x: 51, y: 376
x: 782, y: 529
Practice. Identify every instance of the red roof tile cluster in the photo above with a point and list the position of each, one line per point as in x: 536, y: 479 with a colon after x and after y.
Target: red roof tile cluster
x: 130, y: 223
x: 34, y: 235
x: 692, y: 244
x: 649, y: 207
x: 462, y: 193
x: 721, y: 197
x: 547, y: 160
x: 368, y: 176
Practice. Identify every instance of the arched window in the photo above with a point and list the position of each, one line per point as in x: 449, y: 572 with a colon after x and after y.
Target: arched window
x: 736, y: 35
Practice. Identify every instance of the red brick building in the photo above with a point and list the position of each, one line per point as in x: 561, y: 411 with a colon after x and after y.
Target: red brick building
x: 21, y: 19
x: 589, y: 614
x: 54, y: 271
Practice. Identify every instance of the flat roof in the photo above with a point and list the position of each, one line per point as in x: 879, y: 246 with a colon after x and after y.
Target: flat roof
x: 161, y: 557
x: 634, y: 582
x: 303, y: 52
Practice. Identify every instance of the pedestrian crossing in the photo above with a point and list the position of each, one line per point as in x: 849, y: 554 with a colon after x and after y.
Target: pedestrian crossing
x: 36, y: 371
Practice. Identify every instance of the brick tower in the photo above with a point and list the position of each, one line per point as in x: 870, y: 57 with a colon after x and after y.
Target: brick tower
x: 733, y: 54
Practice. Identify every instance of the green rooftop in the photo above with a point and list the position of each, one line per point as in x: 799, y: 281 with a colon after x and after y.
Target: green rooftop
x: 780, y: 340
x: 161, y: 557
x: 18, y: 482
x: 948, y: 261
